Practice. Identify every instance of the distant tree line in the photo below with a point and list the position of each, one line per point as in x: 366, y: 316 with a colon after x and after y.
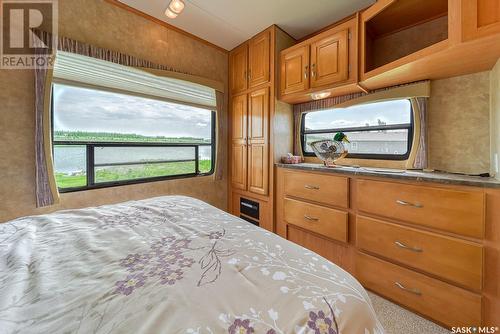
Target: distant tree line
x: 121, y: 137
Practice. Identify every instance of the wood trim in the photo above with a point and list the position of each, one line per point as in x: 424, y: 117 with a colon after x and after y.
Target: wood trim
x: 328, y: 27
x: 164, y: 24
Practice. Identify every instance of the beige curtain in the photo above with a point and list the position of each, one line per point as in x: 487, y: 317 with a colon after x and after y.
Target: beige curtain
x: 420, y: 161
x: 220, y: 158
x: 45, y: 184
x: 46, y: 189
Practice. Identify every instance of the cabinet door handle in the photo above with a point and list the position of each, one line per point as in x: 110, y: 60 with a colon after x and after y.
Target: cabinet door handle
x: 405, y: 203
x: 308, y: 186
x: 313, y: 219
x: 313, y: 70
x: 413, y: 249
x: 306, y: 71
x: 414, y: 291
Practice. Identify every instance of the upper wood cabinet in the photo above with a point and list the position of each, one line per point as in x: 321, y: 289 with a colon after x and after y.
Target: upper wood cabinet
x: 238, y: 61
x: 325, y: 62
x: 250, y: 63
x: 259, y: 70
x: 480, y: 18
x: 295, y: 70
x: 412, y: 40
x: 329, y: 59
x: 392, y: 30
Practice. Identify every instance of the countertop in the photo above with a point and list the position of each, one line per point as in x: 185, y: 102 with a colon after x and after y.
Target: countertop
x: 436, y: 177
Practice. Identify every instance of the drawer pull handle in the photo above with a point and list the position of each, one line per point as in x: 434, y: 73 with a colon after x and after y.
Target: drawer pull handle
x: 405, y: 203
x: 402, y: 287
x: 413, y: 249
x: 311, y: 218
x: 308, y: 186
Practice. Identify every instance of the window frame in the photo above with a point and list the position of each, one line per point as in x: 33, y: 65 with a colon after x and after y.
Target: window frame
x: 371, y: 156
x: 90, y: 165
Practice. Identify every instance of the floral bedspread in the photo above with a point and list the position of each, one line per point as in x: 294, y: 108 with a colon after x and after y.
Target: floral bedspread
x: 169, y: 265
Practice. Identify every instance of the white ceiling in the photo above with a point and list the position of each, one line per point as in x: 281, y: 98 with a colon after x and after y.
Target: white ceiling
x: 228, y: 23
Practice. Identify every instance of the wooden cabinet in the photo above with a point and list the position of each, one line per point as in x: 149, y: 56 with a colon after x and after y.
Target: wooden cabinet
x: 429, y: 247
x: 238, y: 62
x: 259, y: 69
x: 239, y: 142
x: 329, y: 59
x: 256, y: 121
x: 480, y: 18
x: 412, y: 40
x: 250, y: 142
x: 327, y: 222
x: 459, y: 212
x: 326, y: 62
x: 311, y: 210
x: 449, y: 305
x: 258, y: 141
x: 450, y: 258
x: 295, y: 70
x: 320, y: 188
x: 250, y: 63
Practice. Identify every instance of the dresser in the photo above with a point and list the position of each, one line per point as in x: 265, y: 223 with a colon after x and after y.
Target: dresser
x: 431, y: 246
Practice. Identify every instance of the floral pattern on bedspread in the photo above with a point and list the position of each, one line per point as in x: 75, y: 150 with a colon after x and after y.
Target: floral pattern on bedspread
x: 169, y: 265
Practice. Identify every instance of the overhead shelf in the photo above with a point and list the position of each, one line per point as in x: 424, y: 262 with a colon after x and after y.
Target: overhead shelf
x: 401, y: 28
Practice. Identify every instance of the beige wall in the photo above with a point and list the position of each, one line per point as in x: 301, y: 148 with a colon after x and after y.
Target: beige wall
x: 102, y: 24
x: 495, y: 119
x: 459, y: 123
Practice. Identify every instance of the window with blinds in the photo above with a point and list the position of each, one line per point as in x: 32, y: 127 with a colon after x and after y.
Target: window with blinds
x: 115, y: 125
x: 379, y: 130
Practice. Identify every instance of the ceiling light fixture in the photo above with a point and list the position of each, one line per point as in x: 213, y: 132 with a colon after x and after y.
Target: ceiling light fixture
x: 321, y: 95
x: 176, y: 6
x: 170, y: 14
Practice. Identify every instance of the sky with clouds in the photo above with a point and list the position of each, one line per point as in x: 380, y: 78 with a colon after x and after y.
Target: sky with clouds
x: 390, y: 112
x: 80, y: 109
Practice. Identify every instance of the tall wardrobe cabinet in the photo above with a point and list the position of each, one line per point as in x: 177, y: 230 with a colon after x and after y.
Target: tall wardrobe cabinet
x: 253, y: 110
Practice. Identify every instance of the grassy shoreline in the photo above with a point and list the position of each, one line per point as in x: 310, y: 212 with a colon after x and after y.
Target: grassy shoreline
x: 111, y: 174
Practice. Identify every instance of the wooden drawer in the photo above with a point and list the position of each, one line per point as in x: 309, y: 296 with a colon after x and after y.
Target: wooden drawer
x: 442, y: 302
x: 322, y: 188
x: 450, y: 258
x: 455, y: 211
x: 327, y: 222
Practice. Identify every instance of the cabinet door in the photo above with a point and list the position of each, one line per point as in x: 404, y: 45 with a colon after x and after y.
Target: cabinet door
x: 239, y: 142
x: 480, y: 18
x: 259, y: 70
x: 294, y: 70
x: 329, y: 59
x: 238, y: 69
x: 258, y: 141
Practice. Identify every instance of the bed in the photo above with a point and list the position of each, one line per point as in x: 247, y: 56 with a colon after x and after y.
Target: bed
x: 170, y: 264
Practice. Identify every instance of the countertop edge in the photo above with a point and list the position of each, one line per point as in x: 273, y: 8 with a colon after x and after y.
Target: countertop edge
x: 419, y: 176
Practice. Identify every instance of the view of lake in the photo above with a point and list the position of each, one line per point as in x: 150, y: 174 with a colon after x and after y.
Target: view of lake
x: 72, y: 159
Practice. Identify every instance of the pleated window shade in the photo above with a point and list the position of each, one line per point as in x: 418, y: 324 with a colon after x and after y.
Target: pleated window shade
x: 71, y: 67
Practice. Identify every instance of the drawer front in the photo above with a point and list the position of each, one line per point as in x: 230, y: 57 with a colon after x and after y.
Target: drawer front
x: 445, y: 303
x: 449, y: 210
x: 327, y: 222
x: 452, y: 259
x: 322, y: 188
